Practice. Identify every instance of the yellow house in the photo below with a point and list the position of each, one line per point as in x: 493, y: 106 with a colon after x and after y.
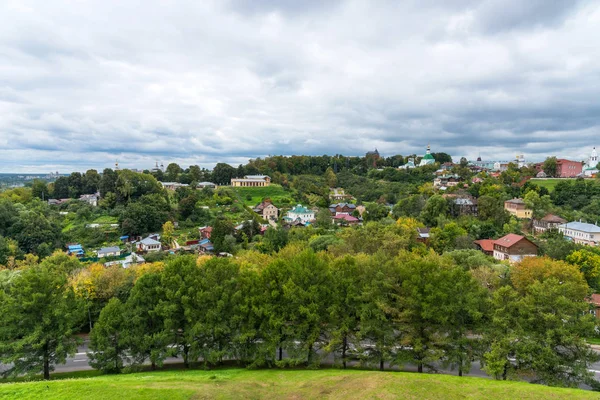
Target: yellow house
x: 517, y: 208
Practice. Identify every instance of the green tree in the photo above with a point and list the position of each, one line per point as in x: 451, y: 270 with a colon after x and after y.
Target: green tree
x: 589, y: 264
x: 222, y: 174
x: 492, y: 209
x: 90, y: 181
x: 173, y: 171
x: 435, y: 207
x: 39, y: 315
x: 178, y: 280
x: 541, y: 205
x: 167, y: 233
x: 108, y: 182
x: 330, y: 178
x: 39, y: 189
x: 410, y: 206
x: 108, y: 338
x: 222, y: 228
x: 147, y: 337
x: 550, y: 167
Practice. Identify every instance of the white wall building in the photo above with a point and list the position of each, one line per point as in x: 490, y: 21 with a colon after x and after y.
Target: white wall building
x: 582, y: 233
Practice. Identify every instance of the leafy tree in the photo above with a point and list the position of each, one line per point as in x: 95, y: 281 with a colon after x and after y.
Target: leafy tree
x: 435, y: 207
x: 35, y: 233
x: 90, y: 181
x: 8, y: 216
x: 274, y: 240
x: 107, y: 339
x: 323, y: 219
x: 167, y: 233
x: 540, y: 205
x: 147, y: 337
x: 61, y: 188
x: 410, y: 206
x: 330, y: 178
x: 446, y: 238
x: 550, y: 166
x: 222, y: 174
x: 8, y: 248
x: 108, y: 182
x: 39, y: 189
x: 492, y: 209
x: 214, y: 320
x: 173, y: 171
x: 589, y: 264
x: 178, y: 281
x: 39, y: 316
x: 376, y: 212
x: 222, y: 228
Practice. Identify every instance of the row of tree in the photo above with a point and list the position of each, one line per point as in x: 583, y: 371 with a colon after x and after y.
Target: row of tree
x: 427, y: 310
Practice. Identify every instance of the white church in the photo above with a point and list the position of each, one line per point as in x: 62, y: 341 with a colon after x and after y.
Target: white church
x: 589, y: 168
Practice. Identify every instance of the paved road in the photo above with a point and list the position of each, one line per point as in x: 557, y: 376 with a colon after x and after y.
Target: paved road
x: 80, y: 362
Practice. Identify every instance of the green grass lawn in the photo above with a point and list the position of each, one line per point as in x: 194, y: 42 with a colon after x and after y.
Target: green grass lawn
x: 549, y: 183
x: 276, y: 193
x: 283, y: 384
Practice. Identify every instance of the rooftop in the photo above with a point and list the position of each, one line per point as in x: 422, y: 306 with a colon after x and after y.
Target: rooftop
x: 509, y: 240
x: 485, y: 244
x: 581, y: 226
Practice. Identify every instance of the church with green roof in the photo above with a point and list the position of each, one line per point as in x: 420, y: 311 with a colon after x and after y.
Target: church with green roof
x: 427, y: 158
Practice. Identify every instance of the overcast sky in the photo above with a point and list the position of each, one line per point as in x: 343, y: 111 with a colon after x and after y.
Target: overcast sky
x: 84, y: 83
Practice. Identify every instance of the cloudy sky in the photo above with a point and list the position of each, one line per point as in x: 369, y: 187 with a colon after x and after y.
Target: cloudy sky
x: 84, y: 83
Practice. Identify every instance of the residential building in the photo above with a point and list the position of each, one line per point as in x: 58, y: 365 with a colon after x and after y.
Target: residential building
x: 423, y: 235
x: 517, y: 208
x: 446, y: 181
x: 205, y: 246
x: 550, y: 221
x: 75, y: 250
x: 130, y: 260
x: 149, y: 245
x: 581, y: 232
x: 57, y: 202
x: 173, y: 185
x: 486, y: 246
x: 267, y: 210
x: 251, y: 181
x: 427, y: 158
x: 345, y: 219
x: 594, y: 301
x: 514, y: 248
x: 342, y: 209
x: 205, y: 232
x: 338, y: 194
x: 301, y: 214
x: 91, y: 199
x: 462, y: 205
x: 113, y: 251
x: 203, y: 185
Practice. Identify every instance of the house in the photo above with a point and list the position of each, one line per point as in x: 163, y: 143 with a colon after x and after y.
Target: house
x: 57, y: 202
x: 594, y: 301
x: 301, y: 214
x: 550, y: 221
x: 205, y: 232
x: 130, y: 260
x: 251, y: 181
x: 91, y: 199
x: 514, y: 248
x: 581, y: 232
x: 486, y: 246
x: 517, y: 208
x: 447, y: 181
x: 75, y: 250
x: 345, y: 219
x: 267, y: 210
x: 203, y: 185
x: 173, y: 185
x: 205, y: 246
x: 338, y: 194
x: 462, y: 205
x: 423, y: 235
x: 342, y: 209
x: 113, y: 251
x: 149, y: 244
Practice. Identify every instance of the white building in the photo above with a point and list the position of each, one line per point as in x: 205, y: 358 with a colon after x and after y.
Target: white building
x: 148, y: 244
x: 91, y: 199
x: 589, y: 168
x: 427, y: 158
x: 113, y: 251
x: 582, y: 233
x: 173, y: 185
x: 300, y: 213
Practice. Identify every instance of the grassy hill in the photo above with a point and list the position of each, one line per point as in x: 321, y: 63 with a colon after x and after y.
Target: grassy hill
x: 548, y: 183
x: 251, y: 196
x: 287, y: 384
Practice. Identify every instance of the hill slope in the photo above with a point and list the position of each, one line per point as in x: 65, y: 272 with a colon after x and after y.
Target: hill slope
x: 288, y: 384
